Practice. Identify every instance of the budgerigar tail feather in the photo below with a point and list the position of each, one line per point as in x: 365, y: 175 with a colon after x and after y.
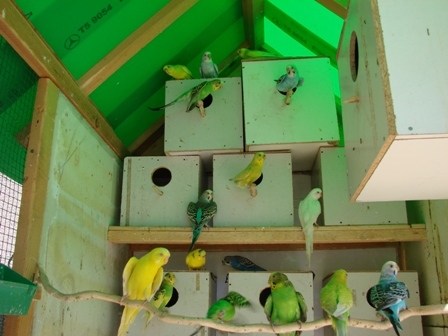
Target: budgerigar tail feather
x: 149, y: 317
x: 340, y: 326
x: 309, y: 235
x: 196, y: 331
x: 194, y: 239
x: 394, y: 321
x: 129, y: 315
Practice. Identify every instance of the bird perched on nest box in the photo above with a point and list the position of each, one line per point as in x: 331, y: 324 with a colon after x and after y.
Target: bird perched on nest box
x: 247, y: 177
x: 195, y: 96
x: 289, y: 82
x: 208, y: 69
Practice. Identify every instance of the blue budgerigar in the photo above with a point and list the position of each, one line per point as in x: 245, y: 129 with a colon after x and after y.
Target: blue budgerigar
x: 241, y: 264
x: 200, y: 214
x: 208, y: 69
x: 288, y: 82
x: 388, y: 296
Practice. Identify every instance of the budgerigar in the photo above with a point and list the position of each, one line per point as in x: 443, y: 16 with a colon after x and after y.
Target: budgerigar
x: 195, y: 259
x: 200, y: 214
x: 223, y: 310
x: 337, y: 299
x: 309, y: 211
x: 389, y: 295
x: 163, y: 294
x: 178, y: 71
x: 284, y: 305
x: 251, y: 173
x: 245, y: 53
x: 288, y: 82
x: 241, y: 263
x: 195, y: 96
x: 208, y: 69
x: 141, y: 280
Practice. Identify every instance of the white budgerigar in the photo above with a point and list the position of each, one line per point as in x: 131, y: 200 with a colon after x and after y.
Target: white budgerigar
x: 309, y: 211
x: 208, y: 69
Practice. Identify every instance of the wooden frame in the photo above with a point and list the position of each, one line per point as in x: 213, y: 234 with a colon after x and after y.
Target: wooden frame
x: 37, y: 170
x: 268, y: 238
x: 19, y: 33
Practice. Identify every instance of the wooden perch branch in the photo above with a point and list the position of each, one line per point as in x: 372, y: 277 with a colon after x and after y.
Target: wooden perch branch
x: 42, y: 279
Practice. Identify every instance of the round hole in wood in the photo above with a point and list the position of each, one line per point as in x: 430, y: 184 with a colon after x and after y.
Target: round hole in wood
x: 161, y: 176
x: 354, y: 56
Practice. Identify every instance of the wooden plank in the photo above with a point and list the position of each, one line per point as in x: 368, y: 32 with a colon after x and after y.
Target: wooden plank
x: 253, y: 13
x: 300, y: 33
x: 21, y: 35
x: 334, y: 7
x: 133, y: 44
x: 279, y: 238
x: 34, y: 195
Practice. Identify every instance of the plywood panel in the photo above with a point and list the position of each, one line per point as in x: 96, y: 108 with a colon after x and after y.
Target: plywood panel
x: 82, y: 194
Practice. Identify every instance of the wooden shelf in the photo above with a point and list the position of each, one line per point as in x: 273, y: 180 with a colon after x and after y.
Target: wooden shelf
x: 268, y: 238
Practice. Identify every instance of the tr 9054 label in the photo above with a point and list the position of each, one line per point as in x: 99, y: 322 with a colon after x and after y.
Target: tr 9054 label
x: 95, y: 19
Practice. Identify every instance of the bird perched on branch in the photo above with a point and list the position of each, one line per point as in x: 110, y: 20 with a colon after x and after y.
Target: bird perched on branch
x: 163, y: 295
x: 200, y: 213
x: 241, y: 264
x: 141, y: 280
x: 289, y: 82
x: 178, y: 71
x: 224, y: 310
x: 208, y: 69
x: 389, y: 295
x: 251, y: 173
x: 337, y: 299
x: 195, y: 96
x: 284, y: 305
x: 309, y: 211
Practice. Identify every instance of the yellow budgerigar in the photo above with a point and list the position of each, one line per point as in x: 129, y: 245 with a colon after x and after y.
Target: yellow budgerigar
x: 141, y: 279
x: 195, y: 259
x: 251, y: 173
x: 178, y: 71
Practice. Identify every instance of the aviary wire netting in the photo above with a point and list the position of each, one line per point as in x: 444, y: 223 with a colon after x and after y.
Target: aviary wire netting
x: 18, y: 86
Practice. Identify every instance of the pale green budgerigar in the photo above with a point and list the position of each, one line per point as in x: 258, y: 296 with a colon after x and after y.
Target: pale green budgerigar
x: 251, y: 173
x: 178, y: 71
x: 245, y: 53
x: 309, y: 211
x: 163, y: 295
x: 195, y: 96
x: 208, y: 69
x: 224, y: 310
x: 337, y: 299
x: 284, y: 305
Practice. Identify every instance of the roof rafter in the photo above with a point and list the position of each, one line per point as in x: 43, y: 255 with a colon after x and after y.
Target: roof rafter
x: 253, y: 13
x: 334, y: 7
x: 300, y: 33
x: 147, y: 32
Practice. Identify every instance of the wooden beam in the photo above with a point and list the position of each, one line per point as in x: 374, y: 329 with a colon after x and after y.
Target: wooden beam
x: 253, y: 13
x: 19, y: 33
x: 279, y: 238
x: 300, y: 33
x: 133, y: 44
x: 34, y: 190
x: 334, y: 7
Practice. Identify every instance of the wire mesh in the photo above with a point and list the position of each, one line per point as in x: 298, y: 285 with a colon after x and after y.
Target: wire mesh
x: 18, y: 86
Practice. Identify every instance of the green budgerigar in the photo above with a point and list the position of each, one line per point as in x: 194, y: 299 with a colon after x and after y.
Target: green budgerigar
x: 337, y: 299
x: 163, y: 295
x: 284, y: 305
x: 251, y: 173
x: 178, y: 71
x: 195, y: 96
x: 224, y: 310
x: 245, y: 53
